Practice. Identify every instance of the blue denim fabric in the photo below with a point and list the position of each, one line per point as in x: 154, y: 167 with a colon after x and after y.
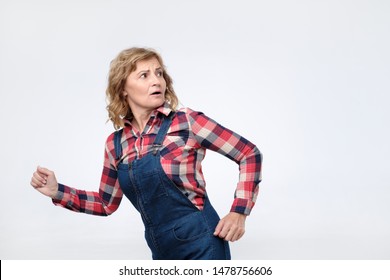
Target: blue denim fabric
x: 174, y: 227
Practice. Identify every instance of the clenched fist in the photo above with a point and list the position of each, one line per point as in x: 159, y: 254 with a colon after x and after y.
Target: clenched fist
x: 44, y: 181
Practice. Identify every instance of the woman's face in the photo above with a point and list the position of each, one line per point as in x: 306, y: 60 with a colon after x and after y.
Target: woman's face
x: 145, y: 86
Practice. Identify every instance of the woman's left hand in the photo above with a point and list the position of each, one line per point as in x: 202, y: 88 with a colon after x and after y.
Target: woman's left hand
x: 231, y: 227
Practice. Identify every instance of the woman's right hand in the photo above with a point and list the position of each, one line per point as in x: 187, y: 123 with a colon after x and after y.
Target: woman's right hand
x: 44, y: 181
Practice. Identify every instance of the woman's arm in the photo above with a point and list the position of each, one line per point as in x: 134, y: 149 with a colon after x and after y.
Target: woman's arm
x: 101, y: 203
x: 211, y: 135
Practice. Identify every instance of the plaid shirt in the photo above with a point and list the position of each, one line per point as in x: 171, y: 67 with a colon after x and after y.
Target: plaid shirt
x: 184, y: 147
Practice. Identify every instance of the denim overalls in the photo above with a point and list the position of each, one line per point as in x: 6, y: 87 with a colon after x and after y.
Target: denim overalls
x: 174, y: 227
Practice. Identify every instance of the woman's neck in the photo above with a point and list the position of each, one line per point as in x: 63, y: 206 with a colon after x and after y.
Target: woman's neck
x: 140, y: 119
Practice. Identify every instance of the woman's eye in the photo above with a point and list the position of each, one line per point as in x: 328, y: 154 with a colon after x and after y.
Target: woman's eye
x: 143, y: 75
x: 159, y: 73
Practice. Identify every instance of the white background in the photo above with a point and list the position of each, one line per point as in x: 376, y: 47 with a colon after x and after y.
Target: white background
x: 306, y: 81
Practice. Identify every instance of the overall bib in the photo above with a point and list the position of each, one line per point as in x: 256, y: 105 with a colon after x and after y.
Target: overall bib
x: 174, y: 227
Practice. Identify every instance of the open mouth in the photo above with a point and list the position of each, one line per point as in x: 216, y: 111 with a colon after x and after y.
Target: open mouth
x: 156, y: 93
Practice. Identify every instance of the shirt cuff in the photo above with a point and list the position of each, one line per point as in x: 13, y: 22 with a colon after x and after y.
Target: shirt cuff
x: 62, y: 196
x: 242, y: 206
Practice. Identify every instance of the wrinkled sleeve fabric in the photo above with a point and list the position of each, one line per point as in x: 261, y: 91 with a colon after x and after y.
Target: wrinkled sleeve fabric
x: 101, y: 203
x: 211, y: 135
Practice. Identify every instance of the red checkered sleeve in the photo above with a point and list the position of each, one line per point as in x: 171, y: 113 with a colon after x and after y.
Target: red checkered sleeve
x: 211, y: 135
x: 102, y: 203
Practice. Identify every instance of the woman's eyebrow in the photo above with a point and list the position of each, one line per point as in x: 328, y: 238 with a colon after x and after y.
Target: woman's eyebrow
x: 147, y: 70
x: 142, y: 72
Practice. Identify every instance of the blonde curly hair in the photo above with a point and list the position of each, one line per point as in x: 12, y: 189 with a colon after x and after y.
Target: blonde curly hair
x: 120, y: 68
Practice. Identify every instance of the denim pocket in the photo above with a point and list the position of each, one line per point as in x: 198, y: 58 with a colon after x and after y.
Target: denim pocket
x: 190, y: 227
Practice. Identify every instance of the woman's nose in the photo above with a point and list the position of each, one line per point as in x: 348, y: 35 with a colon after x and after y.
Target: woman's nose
x: 155, y: 80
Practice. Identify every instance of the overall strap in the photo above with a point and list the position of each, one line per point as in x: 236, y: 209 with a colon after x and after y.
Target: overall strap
x: 162, y: 132
x: 117, y: 144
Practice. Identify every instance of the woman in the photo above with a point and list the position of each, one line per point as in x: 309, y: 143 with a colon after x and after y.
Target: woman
x: 154, y: 159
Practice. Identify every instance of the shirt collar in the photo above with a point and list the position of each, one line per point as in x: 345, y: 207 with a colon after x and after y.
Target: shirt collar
x: 164, y: 109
